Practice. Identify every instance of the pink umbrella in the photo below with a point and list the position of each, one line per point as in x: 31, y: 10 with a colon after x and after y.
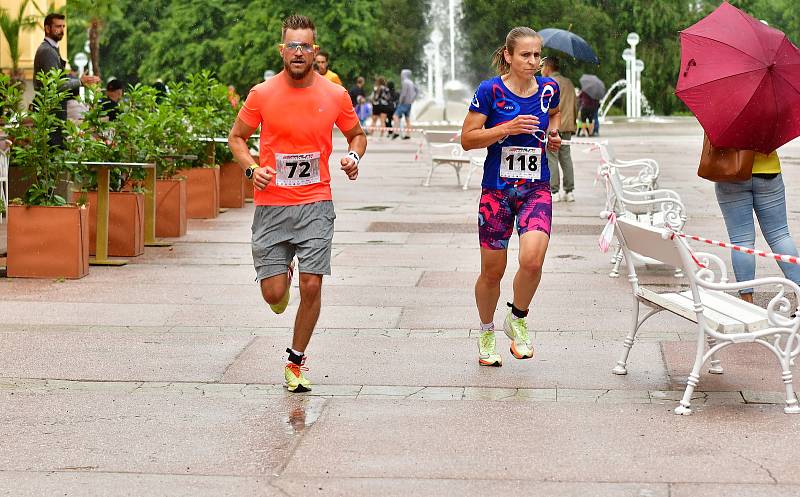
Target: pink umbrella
x: 741, y: 78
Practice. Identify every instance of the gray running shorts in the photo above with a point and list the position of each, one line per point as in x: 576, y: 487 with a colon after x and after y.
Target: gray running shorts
x: 282, y: 231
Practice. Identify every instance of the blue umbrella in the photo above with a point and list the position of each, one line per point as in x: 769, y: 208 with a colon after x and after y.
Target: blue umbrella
x: 569, y: 43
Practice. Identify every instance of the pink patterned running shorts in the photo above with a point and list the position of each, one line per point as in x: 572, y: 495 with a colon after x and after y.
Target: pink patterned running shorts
x: 530, y: 204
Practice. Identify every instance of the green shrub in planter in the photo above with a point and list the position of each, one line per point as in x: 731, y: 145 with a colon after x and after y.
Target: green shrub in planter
x: 33, y: 148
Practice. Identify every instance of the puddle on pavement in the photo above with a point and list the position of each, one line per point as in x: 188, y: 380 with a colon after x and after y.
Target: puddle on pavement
x: 571, y: 257
x: 303, y: 411
x: 371, y: 208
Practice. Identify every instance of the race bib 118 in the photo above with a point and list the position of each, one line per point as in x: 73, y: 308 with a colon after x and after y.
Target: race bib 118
x: 521, y: 163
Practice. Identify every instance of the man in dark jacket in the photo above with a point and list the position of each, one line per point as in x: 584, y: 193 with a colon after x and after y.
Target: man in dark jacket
x: 48, y: 57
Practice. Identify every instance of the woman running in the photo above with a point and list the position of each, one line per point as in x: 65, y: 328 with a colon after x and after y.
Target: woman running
x: 515, y: 116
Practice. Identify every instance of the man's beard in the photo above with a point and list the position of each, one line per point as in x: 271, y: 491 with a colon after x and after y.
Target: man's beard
x: 288, y: 67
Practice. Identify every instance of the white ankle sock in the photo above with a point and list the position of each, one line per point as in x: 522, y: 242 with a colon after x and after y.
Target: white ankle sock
x: 487, y: 327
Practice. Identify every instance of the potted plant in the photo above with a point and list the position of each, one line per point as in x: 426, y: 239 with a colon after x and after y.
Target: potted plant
x: 95, y: 139
x: 47, y: 237
x: 202, y: 97
x: 147, y: 130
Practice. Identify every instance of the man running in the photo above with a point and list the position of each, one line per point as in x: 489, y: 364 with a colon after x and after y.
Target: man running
x: 513, y: 115
x: 296, y: 110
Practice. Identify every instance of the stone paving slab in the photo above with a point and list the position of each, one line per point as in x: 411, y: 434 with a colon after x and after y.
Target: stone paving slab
x: 119, y: 433
x: 89, y: 483
x: 585, y: 422
x: 670, y: 398
x: 403, y: 487
x: 127, y: 355
x: 726, y: 490
x: 748, y: 366
x: 646, y: 443
x: 450, y: 363
x: 248, y: 315
x: 540, y: 318
x: 214, y: 275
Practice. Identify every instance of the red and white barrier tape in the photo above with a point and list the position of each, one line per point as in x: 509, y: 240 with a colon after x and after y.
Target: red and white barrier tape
x: 392, y: 128
x: 791, y: 259
x: 605, y: 242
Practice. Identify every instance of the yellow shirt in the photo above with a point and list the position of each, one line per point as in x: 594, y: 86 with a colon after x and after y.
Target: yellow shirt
x: 766, y: 164
x: 333, y: 77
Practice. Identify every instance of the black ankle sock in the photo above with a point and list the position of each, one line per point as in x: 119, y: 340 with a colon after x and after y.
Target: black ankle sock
x: 295, y: 358
x: 519, y: 314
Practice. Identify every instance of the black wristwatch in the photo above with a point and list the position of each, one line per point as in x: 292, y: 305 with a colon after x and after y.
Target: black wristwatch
x: 249, y: 171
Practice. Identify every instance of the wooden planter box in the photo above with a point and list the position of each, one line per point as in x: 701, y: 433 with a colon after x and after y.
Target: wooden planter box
x: 171, y: 207
x: 19, y: 180
x: 48, y: 242
x: 125, y: 223
x: 202, y: 192
x: 231, y: 185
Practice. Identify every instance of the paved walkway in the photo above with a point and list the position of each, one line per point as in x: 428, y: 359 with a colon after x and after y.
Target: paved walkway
x: 163, y: 377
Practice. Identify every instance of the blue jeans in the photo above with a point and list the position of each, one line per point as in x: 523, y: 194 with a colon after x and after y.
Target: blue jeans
x: 767, y: 198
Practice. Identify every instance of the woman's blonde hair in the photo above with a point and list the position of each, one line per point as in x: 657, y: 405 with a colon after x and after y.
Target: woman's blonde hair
x: 513, y: 36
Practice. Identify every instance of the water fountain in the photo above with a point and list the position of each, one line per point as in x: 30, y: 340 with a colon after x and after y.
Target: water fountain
x: 630, y: 87
x: 444, y: 102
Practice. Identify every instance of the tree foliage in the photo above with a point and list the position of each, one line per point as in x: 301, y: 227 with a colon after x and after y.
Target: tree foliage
x: 237, y: 39
x: 605, y: 24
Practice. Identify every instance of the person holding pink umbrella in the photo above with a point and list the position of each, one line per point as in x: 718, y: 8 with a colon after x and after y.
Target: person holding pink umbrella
x: 736, y: 71
x: 763, y: 194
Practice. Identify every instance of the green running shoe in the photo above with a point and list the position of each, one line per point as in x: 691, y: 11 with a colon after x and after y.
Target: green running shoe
x: 281, y: 306
x: 517, y: 331
x: 488, y: 355
x: 295, y: 379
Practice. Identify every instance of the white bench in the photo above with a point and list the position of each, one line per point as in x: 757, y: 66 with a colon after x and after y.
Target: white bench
x: 722, y: 319
x: 444, y: 148
x: 659, y: 208
x: 637, y: 174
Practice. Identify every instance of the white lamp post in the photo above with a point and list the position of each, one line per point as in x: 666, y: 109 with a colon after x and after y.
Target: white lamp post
x: 429, y: 61
x: 628, y: 58
x: 452, y: 39
x: 87, y: 50
x: 638, y: 67
x: 436, y: 39
x: 80, y: 60
x: 633, y: 40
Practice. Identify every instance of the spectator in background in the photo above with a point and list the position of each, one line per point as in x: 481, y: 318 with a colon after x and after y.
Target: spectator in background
x: 588, y: 108
x: 321, y: 65
x: 357, y: 91
x: 764, y: 193
x: 408, y: 93
x: 392, y: 106
x: 363, y: 110
x: 568, y: 108
x: 268, y: 74
x: 48, y: 57
x: 380, y: 103
x: 114, y: 91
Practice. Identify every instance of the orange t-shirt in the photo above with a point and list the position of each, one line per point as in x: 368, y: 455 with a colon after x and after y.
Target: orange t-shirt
x: 297, y: 121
